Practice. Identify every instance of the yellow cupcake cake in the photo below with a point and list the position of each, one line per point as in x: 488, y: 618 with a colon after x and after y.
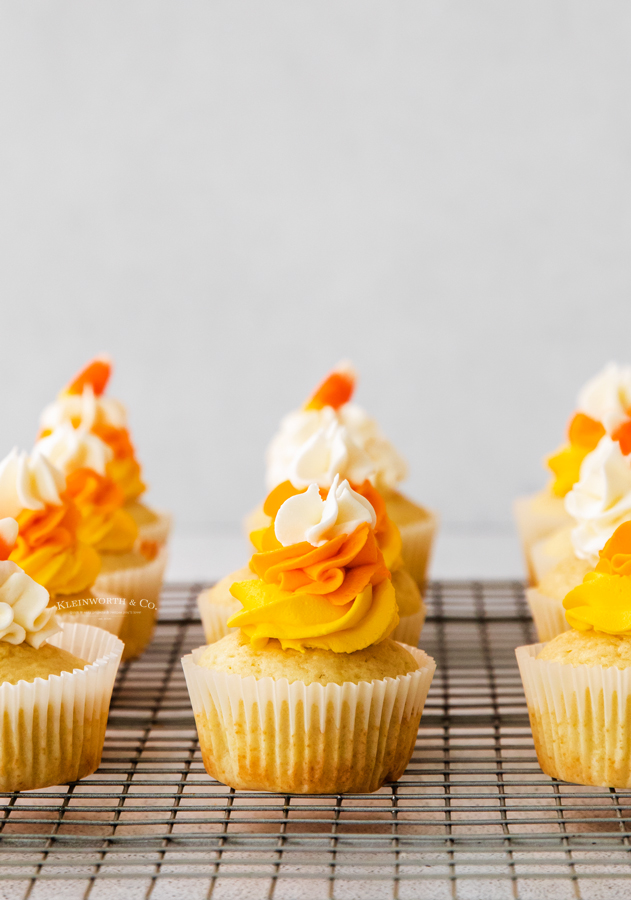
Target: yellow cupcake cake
x: 545, y: 520
x: 311, y: 695
x: 55, y: 686
x: 578, y: 686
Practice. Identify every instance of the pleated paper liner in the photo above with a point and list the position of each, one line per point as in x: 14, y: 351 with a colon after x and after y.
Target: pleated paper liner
x: 141, y: 587
x: 537, y: 516
x: 580, y: 718
x: 215, y: 615
x: 53, y: 729
x: 408, y: 631
x: 269, y: 735
x: 548, y: 614
x: 158, y: 531
x: 416, y: 546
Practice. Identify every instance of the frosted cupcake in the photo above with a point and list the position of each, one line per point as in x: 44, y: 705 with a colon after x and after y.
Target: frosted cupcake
x: 330, y: 434
x: 578, y: 686
x: 543, y: 520
x: 83, y: 402
x: 55, y: 686
x: 599, y: 503
x: 217, y: 603
x: 129, y: 568
x: 311, y: 695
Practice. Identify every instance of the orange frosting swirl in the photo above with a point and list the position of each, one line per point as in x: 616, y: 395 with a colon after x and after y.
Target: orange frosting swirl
x: 335, y: 596
x: 584, y: 433
x: 48, y: 549
x: 104, y: 525
x: 123, y: 468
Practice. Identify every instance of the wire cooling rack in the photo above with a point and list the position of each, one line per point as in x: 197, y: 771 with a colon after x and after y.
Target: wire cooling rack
x: 473, y: 817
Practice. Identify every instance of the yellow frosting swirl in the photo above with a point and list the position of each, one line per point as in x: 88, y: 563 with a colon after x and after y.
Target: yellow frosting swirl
x: 603, y: 601
x: 335, y: 596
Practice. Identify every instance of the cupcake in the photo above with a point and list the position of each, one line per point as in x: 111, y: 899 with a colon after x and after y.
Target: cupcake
x: 599, y: 503
x: 55, y: 686
x: 135, y: 571
x: 217, y: 603
x: 311, y: 695
x: 578, y: 685
x: 330, y: 434
x: 83, y: 402
x: 543, y: 519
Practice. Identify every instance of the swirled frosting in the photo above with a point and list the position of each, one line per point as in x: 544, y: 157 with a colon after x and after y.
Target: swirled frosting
x: 82, y: 404
x: 84, y: 458
x: 603, y: 601
x: 330, y: 589
x: 604, y: 407
x: 331, y: 435
x: 607, y: 397
x: 600, y: 501
x: 307, y: 517
x: 24, y: 611
x: 104, y: 524
x: 25, y: 615
x: 32, y: 491
x: 70, y: 448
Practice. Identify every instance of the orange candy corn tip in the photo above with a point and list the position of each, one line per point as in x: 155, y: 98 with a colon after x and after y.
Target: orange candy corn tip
x: 622, y: 434
x: 584, y: 431
x: 96, y: 373
x: 8, y: 536
x: 336, y: 389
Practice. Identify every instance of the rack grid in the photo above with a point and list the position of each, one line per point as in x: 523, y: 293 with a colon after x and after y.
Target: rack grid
x: 473, y: 817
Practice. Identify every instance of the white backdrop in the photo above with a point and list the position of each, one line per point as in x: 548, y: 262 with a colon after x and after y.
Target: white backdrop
x: 230, y: 196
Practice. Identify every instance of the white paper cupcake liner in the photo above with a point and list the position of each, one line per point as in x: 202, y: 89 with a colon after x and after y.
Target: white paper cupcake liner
x: 53, y: 729
x: 262, y: 734
x: 215, y: 615
x: 157, y: 531
x: 580, y: 718
x: 548, y: 614
x: 141, y: 587
x: 416, y: 546
x: 536, y: 520
x: 408, y: 631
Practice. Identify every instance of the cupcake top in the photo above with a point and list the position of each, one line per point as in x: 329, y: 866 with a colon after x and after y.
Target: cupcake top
x: 84, y: 458
x: 83, y: 403
x: 233, y: 654
x: 48, y: 546
x: 330, y: 435
x: 26, y: 622
x: 600, y: 500
x: 599, y: 611
x: 603, y: 408
x: 322, y: 563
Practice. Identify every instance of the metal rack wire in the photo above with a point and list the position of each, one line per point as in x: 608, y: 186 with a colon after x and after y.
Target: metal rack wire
x: 473, y: 817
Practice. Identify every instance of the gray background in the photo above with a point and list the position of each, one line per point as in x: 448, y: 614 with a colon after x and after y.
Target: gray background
x: 231, y: 196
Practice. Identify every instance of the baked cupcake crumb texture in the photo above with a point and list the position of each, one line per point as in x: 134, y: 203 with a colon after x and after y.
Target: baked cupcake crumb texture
x: 234, y: 654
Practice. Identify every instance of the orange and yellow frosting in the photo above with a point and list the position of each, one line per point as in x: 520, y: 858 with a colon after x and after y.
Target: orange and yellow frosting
x: 603, y: 601
x: 334, y: 594
x: 604, y: 407
x: 104, y: 524
x: 82, y: 402
x: 584, y: 433
x: 48, y: 548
